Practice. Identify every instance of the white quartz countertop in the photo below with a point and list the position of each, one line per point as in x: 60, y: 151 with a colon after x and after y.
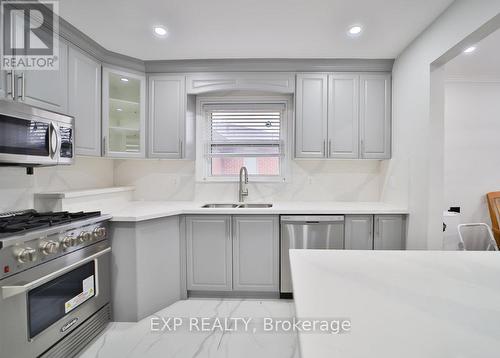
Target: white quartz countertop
x: 400, y: 303
x: 147, y: 210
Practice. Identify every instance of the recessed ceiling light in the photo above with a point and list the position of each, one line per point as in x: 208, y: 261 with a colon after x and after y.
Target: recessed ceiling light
x: 123, y: 79
x: 119, y: 109
x: 355, y: 30
x: 160, y: 31
x: 470, y: 49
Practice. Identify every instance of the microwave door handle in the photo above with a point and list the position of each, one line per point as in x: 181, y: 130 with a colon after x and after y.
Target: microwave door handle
x: 55, y: 140
x: 14, y: 290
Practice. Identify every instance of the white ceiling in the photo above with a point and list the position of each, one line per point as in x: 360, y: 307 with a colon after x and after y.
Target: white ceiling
x: 484, y: 63
x: 202, y: 29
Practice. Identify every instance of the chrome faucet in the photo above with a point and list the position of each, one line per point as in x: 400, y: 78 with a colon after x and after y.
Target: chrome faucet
x: 243, y: 192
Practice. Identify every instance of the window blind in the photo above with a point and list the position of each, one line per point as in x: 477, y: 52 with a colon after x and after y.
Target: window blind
x: 246, y: 133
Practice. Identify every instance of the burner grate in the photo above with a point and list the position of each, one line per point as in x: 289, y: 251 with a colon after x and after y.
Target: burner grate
x: 24, y: 221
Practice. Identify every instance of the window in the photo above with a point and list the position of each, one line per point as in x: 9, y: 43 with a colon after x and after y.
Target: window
x: 244, y: 134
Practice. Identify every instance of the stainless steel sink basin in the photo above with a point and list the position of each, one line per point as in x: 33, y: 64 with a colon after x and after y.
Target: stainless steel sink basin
x: 223, y: 206
x: 255, y: 206
x: 239, y: 206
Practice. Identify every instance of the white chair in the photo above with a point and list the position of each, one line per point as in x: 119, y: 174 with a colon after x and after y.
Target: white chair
x: 476, y: 237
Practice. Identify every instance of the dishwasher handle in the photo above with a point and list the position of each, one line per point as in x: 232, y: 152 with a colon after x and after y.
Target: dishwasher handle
x: 318, y: 219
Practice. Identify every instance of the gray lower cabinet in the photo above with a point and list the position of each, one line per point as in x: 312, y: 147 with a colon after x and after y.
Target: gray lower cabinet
x: 146, y: 267
x: 209, y: 253
x: 359, y: 232
x: 389, y: 232
x: 256, y: 253
x: 84, y: 102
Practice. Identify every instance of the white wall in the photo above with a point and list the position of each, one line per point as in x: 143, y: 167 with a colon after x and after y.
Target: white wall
x: 412, y: 175
x: 472, y: 147
x: 17, y: 188
x: 314, y: 180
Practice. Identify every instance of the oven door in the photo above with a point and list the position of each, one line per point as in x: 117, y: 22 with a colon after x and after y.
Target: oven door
x: 44, y: 304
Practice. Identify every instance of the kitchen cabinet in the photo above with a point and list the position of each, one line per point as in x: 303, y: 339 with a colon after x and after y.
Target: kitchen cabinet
x: 167, y: 116
x: 359, y: 232
x: 147, y: 267
x: 209, y: 253
x: 343, y: 114
x: 46, y: 89
x: 123, y: 113
x: 84, y: 101
x: 375, y: 116
x: 255, y: 253
x: 389, y: 232
x: 311, y: 115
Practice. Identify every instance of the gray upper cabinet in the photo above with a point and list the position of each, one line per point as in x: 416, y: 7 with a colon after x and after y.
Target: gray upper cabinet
x: 389, y: 232
x: 209, y: 253
x: 375, y: 116
x: 84, y: 101
x: 343, y: 116
x: 46, y: 89
x: 311, y: 115
x: 255, y: 253
x: 359, y: 232
x: 123, y: 113
x: 167, y: 116
x: 343, y: 111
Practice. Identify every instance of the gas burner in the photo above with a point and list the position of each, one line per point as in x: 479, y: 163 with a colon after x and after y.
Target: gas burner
x: 29, y: 220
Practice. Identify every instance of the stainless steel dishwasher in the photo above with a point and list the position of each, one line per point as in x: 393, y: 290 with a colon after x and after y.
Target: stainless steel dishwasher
x: 307, y: 232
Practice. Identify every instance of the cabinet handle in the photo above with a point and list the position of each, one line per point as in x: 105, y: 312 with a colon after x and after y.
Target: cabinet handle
x: 362, y: 148
x: 21, y: 77
x: 180, y: 148
x: 11, y: 92
x: 329, y: 147
x: 324, y: 148
x: 103, y: 146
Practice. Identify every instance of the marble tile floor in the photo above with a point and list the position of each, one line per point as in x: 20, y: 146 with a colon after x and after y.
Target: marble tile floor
x: 137, y: 340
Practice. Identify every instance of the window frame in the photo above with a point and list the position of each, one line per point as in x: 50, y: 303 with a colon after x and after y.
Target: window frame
x: 204, y: 106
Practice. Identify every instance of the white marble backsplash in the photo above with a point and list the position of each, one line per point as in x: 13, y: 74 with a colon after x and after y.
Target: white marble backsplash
x: 310, y: 180
x: 17, y: 188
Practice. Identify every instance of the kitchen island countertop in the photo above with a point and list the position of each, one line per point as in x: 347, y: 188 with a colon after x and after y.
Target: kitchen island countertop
x: 417, y: 304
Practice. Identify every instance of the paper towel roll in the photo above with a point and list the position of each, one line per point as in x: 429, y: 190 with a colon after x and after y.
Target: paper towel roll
x: 450, y: 234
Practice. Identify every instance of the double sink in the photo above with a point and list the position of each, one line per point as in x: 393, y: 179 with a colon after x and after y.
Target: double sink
x: 239, y: 206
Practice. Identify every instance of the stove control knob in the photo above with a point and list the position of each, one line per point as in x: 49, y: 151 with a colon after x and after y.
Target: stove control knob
x: 85, y: 236
x: 69, y: 241
x: 99, y: 233
x: 26, y: 255
x: 49, y: 247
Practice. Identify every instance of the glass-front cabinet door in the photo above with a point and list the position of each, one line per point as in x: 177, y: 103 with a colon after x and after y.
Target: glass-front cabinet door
x: 123, y: 106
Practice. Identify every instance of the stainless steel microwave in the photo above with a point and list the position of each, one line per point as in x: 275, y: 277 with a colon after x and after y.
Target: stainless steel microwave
x: 32, y: 137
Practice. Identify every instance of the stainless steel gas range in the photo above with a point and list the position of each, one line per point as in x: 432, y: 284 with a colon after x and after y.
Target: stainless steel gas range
x: 54, y: 282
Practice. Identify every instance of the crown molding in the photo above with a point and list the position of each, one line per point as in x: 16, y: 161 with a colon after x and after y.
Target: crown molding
x: 270, y: 65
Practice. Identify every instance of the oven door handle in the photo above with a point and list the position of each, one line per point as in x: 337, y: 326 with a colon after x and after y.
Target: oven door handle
x: 14, y: 290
